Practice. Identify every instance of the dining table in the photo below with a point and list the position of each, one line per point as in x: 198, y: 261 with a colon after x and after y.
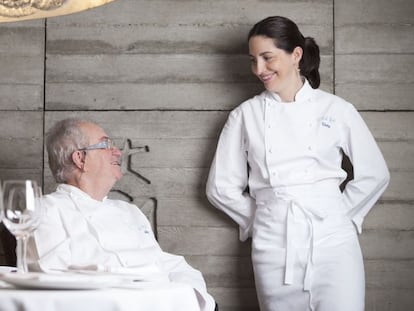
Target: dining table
x: 77, y: 292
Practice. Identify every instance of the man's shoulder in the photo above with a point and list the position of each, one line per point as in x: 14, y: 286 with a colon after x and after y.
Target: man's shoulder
x: 54, y: 196
x: 118, y: 202
x: 123, y: 205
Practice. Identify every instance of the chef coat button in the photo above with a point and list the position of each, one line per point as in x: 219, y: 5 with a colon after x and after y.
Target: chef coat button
x: 270, y: 150
x: 269, y: 126
x: 309, y: 148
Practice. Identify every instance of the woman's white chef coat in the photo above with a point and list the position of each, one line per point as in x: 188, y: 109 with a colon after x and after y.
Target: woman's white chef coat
x: 266, y: 143
x: 115, y: 235
x: 288, y: 156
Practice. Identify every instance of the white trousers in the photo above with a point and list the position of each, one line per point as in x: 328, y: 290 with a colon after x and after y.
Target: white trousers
x: 306, y: 253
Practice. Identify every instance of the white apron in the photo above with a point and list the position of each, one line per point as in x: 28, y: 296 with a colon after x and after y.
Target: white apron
x: 305, y: 251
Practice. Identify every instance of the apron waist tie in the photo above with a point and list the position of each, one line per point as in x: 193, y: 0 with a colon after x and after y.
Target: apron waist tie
x: 294, y: 207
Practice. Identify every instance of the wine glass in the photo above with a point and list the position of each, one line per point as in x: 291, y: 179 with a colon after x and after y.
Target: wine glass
x: 1, y: 203
x: 21, y: 214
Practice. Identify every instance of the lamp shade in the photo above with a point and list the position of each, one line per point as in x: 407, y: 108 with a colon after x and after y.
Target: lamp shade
x: 19, y: 10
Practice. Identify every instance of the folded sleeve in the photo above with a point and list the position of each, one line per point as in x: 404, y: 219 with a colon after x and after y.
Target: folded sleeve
x: 178, y: 270
x: 228, y: 177
x: 371, y: 175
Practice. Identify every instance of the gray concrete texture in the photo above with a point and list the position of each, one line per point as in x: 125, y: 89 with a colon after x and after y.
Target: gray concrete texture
x: 161, y: 76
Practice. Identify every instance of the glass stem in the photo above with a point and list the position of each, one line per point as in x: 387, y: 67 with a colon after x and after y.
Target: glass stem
x: 21, y: 249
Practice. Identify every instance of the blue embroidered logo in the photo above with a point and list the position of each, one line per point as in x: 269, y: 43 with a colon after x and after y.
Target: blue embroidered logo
x: 326, y: 124
x: 327, y: 121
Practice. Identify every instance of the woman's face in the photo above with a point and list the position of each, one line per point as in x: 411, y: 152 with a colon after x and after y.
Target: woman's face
x: 277, y: 69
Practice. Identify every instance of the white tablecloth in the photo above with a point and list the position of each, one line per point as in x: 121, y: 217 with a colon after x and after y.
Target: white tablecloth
x: 146, y: 296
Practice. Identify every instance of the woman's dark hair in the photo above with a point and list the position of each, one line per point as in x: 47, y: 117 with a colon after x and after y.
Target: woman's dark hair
x: 286, y: 36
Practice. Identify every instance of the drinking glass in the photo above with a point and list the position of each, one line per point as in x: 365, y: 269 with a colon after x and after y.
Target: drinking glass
x: 21, y: 214
x: 1, y: 203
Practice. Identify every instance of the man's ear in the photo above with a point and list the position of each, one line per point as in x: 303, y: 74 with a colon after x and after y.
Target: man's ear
x: 78, y: 158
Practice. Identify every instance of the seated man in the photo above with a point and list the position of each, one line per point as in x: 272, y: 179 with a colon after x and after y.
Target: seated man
x: 83, y: 228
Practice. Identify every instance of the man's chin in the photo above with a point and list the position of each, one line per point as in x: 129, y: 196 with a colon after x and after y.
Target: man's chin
x: 117, y: 172
x: 119, y: 175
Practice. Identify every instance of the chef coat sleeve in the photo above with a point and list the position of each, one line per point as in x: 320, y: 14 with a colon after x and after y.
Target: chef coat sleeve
x: 228, y: 177
x: 371, y: 175
x: 49, y: 247
x: 178, y: 270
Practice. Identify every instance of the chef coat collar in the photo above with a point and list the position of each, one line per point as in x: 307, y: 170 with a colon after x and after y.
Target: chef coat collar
x: 304, y: 93
x: 75, y: 191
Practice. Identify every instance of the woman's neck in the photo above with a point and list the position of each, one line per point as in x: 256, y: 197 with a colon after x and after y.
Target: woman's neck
x: 289, y: 94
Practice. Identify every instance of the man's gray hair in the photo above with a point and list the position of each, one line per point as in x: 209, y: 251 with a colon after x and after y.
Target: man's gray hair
x: 64, y: 138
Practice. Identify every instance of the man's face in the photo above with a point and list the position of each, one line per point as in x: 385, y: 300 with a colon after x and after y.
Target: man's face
x: 101, y: 165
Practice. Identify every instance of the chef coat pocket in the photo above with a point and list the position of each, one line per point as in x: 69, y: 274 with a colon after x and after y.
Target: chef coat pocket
x: 327, y: 140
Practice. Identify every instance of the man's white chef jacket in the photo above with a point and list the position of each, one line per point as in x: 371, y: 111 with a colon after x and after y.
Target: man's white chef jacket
x: 80, y: 231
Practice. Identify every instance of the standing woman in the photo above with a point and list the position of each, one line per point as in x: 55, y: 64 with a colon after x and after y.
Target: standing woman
x: 277, y: 172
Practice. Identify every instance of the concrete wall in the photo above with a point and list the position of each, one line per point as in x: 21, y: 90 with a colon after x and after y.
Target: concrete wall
x: 161, y: 76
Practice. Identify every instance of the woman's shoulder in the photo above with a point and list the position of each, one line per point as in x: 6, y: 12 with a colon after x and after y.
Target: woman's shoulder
x: 332, y: 100
x: 249, y: 105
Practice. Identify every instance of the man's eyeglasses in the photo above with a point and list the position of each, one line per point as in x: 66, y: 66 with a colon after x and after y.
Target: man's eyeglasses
x: 107, y: 143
